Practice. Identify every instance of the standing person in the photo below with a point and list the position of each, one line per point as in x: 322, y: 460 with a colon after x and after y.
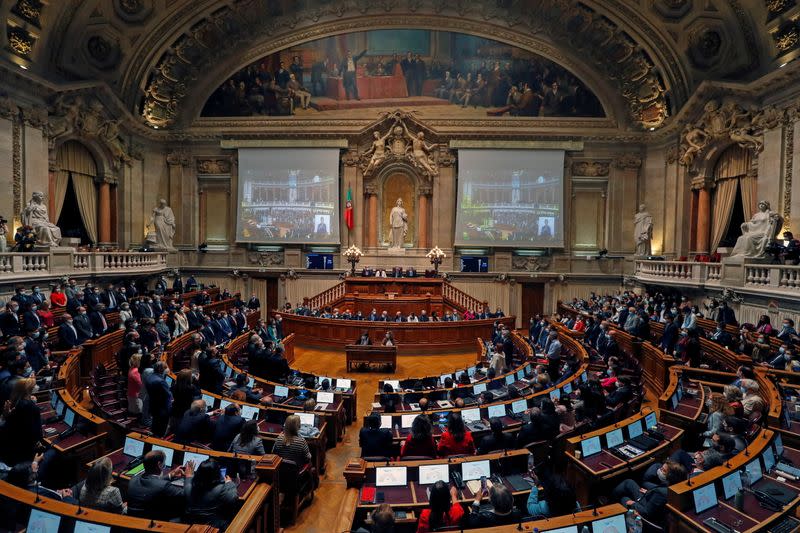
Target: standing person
x: 160, y: 398
x: 23, y: 423
x: 348, y: 68
x: 134, y: 385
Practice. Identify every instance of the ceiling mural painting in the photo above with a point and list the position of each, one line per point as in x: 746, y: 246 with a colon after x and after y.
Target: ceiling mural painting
x: 472, y: 77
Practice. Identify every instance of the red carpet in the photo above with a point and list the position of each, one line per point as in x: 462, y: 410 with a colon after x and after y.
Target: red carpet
x: 328, y: 104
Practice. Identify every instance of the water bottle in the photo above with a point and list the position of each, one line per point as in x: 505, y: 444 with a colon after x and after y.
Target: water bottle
x: 739, y: 500
x: 585, y: 529
x: 531, y: 464
x: 638, y: 524
x: 397, y: 428
x: 745, y: 479
x: 630, y: 519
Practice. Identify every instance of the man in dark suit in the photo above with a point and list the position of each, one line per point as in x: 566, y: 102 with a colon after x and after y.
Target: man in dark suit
x: 227, y: 427
x: 152, y: 495
x: 157, y: 306
x: 73, y: 303
x: 348, y: 69
x: 649, y: 503
x: 407, y: 65
x: 36, y: 296
x: 30, y: 320
x: 9, y: 320
x: 282, y: 76
x: 670, y: 335
x: 34, y: 350
x: 68, y: 334
x: 98, y: 321
x: 423, y: 316
x: 212, y: 372
x: 621, y: 395
x: 374, y: 440
x: 111, y: 298
x: 195, y: 426
x: 83, y: 325
x: 177, y: 285
x: 373, y: 315
x: 254, y: 303
x: 208, y: 333
x: 143, y: 309
x: 223, y: 328
x: 92, y: 299
x: 160, y: 398
x: 194, y: 317
x: 720, y: 336
x: 22, y: 299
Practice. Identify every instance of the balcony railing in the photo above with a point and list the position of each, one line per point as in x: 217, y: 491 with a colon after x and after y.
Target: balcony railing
x: 780, y: 279
x: 22, y: 266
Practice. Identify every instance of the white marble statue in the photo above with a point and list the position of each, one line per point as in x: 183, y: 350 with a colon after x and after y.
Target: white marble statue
x: 35, y: 216
x: 163, y: 222
x: 643, y: 231
x: 398, y: 218
x: 757, y: 233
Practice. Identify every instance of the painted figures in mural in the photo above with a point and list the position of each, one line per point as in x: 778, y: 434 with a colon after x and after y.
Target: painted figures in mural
x: 384, y: 68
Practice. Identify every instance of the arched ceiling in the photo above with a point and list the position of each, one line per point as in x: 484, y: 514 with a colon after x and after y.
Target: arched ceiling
x: 163, y: 58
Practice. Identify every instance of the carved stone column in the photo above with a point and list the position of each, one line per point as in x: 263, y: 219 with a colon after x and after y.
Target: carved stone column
x: 104, y: 234
x: 701, y: 187
x: 424, y: 195
x: 371, y: 194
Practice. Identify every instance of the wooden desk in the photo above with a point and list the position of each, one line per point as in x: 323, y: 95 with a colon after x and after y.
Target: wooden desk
x: 371, y: 355
x: 591, y: 475
x: 681, y: 409
x: 411, y: 336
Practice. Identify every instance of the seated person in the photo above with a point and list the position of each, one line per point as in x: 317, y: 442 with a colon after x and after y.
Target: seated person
x: 195, y: 426
x: 497, y: 439
x: 382, y: 520
x: 752, y: 402
x: 649, y: 503
x: 374, y: 440
x: 227, y: 427
x: 152, y: 495
x: 502, y: 509
x: 544, y: 425
x: 290, y: 445
x: 622, y: 395
x: 251, y: 395
x: 419, y: 442
x: 456, y: 439
x: 559, y: 496
x: 210, y: 499
x: 444, y: 509
x: 96, y: 490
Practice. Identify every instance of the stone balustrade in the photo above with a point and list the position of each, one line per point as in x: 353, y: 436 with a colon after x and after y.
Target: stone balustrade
x: 67, y: 262
x: 761, y: 277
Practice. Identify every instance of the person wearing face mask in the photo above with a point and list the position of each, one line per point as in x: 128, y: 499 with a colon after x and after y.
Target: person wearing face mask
x: 762, y: 352
x: 689, y: 320
x: 57, y: 298
x: 670, y: 335
x: 9, y: 320
x: 787, y: 330
x: 621, y: 395
x: 650, y: 503
x: 23, y: 423
x: 783, y: 360
x: 68, y: 333
x: 35, y: 351
x: 721, y: 337
x: 98, y: 320
x: 71, y: 289
x: 30, y: 319
x: 45, y: 315
x: 125, y: 314
x: 91, y: 299
x: 36, y: 296
x: 143, y: 309
x: 21, y: 298
x: 163, y: 330
x: 82, y: 324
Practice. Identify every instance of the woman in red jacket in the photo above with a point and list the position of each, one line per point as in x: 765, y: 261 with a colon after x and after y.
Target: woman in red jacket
x: 57, y: 298
x: 456, y: 440
x: 443, y: 509
x: 420, y: 442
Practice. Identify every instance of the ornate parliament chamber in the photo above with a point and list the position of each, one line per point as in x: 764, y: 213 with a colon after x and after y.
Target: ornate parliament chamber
x: 399, y: 266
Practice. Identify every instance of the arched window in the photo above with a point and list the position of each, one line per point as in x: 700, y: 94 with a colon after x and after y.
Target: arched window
x: 734, y: 187
x: 75, y: 192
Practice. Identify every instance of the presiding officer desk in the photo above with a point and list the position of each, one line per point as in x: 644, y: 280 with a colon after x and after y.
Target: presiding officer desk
x: 404, y: 295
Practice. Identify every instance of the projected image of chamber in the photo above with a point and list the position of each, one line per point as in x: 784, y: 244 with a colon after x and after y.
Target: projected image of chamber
x: 288, y: 196
x: 510, y: 198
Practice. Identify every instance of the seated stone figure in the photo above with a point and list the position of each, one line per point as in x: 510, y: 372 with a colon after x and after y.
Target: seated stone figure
x: 758, y: 233
x: 35, y: 216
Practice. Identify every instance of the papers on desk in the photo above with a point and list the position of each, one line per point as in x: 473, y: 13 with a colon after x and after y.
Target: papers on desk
x: 321, y: 406
x: 475, y: 485
x: 376, y: 405
x: 444, y: 404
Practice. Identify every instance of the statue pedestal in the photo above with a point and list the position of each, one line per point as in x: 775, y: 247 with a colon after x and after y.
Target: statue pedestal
x: 388, y: 258
x: 396, y: 251
x: 733, y: 269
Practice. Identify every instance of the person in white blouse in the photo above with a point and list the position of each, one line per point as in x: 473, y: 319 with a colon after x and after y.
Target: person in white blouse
x: 181, y: 322
x: 125, y: 314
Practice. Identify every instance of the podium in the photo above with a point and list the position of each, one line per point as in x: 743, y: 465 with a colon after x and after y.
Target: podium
x: 371, y: 355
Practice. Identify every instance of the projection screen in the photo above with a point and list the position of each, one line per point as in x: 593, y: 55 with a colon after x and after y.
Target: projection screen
x: 510, y: 198
x: 288, y: 196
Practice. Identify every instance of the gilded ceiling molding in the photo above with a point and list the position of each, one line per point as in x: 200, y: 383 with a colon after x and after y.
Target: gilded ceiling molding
x: 591, y: 169
x: 725, y: 123
x: 788, y: 167
x: 597, y: 48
